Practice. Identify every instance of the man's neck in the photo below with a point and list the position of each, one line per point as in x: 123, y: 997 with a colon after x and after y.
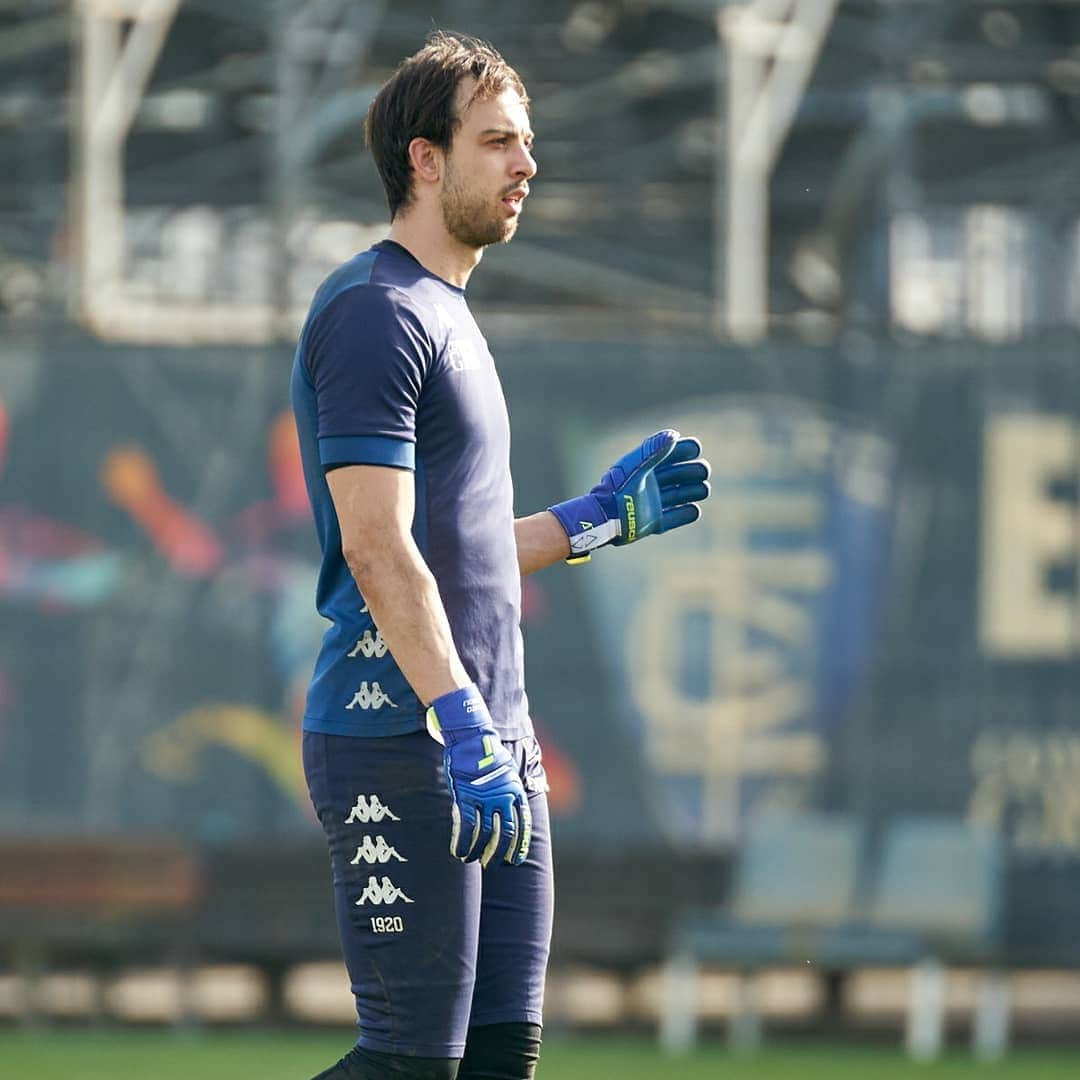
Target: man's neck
x: 434, y: 248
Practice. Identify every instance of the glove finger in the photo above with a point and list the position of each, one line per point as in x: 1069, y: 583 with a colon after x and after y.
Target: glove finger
x: 686, y: 449
x: 643, y: 458
x: 656, y: 448
x: 519, y: 851
x: 686, y: 514
x: 496, y: 838
x: 686, y: 472
x: 685, y: 493
x: 510, y: 854
x: 487, y: 823
x: 510, y: 832
x: 465, y: 833
x: 455, y: 828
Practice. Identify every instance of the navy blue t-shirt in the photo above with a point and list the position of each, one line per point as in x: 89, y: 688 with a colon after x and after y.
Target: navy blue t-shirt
x: 391, y: 369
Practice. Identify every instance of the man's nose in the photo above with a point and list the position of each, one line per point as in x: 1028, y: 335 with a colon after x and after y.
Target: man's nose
x: 525, y: 166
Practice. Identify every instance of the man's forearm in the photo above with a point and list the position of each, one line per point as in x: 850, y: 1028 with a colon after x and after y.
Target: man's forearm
x: 404, y: 601
x: 541, y: 541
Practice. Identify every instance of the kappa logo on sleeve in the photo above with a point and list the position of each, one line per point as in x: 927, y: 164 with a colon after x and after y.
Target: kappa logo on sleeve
x: 375, y: 851
x: 370, y: 697
x: 381, y: 892
x: 462, y: 355
x: 369, y: 647
x: 370, y: 808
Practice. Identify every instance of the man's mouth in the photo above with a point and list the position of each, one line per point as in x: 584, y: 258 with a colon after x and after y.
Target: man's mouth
x: 515, y: 200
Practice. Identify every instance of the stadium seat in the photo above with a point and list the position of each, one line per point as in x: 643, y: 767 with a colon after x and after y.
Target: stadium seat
x: 811, y: 889
x: 798, y: 871
x: 795, y: 877
x: 939, y: 879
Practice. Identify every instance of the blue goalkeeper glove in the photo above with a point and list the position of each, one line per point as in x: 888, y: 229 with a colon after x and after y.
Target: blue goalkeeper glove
x: 490, y: 813
x: 653, y: 489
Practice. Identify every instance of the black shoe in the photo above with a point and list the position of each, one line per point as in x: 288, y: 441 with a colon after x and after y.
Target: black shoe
x: 350, y: 1067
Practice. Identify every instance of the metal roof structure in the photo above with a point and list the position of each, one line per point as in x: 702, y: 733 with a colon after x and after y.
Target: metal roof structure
x: 208, y: 158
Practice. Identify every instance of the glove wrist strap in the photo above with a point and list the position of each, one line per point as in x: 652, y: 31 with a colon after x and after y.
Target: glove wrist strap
x: 461, y: 710
x: 587, y: 524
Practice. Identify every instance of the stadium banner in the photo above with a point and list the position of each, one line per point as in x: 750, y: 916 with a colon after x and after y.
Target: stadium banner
x: 739, y: 640
x: 878, y: 613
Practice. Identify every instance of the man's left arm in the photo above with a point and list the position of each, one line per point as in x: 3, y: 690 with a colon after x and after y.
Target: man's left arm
x: 541, y: 541
x: 656, y: 487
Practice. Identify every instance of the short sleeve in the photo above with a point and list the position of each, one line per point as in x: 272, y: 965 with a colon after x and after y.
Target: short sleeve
x: 367, y: 354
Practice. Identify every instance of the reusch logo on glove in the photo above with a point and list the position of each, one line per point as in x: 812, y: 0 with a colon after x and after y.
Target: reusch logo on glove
x: 631, y: 519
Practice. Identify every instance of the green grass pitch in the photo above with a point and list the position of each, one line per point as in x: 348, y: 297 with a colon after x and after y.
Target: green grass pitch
x: 65, y: 1055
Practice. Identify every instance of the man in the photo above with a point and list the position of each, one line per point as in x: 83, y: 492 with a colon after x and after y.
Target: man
x: 417, y: 728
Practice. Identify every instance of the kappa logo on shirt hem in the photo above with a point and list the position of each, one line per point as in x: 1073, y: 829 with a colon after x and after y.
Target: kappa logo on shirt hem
x: 370, y: 697
x: 369, y: 647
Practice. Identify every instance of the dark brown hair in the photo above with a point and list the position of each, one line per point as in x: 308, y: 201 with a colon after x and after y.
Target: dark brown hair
x: 417, y: 102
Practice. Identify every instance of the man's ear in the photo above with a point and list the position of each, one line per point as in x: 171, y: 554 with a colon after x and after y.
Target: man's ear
x: 426, y: 160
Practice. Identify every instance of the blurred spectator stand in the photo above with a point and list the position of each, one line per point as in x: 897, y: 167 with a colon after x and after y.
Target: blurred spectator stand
x: 101, y: 901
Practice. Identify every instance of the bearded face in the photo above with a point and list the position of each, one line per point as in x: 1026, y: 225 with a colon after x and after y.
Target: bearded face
x: 473, y: 216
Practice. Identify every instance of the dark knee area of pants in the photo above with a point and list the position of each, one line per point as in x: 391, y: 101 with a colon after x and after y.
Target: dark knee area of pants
x: 501, y: 1052
x: 361, y: 1064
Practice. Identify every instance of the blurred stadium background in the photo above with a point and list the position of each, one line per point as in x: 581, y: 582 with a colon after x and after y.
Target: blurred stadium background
x: 840, y: 721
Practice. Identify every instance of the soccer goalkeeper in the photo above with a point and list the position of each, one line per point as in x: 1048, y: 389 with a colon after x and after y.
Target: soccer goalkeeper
x: 418, y: 747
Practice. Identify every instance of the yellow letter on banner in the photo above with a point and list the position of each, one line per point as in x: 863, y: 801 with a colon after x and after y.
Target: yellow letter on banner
x: 1025, y: 532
